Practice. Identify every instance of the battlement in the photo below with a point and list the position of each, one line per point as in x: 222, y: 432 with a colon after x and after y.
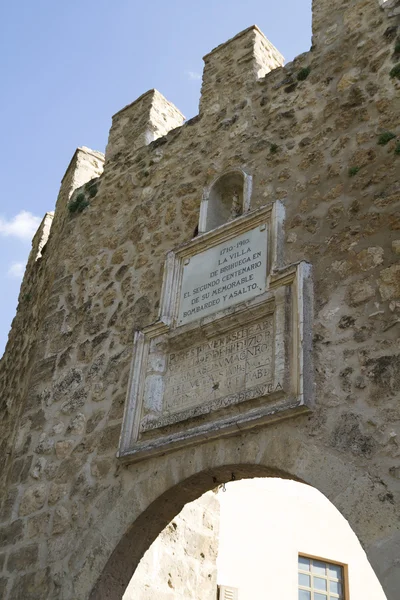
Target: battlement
x: 149, y: 117
x: 231, y: 69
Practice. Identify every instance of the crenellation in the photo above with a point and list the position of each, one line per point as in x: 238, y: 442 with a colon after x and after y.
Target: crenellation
x: 42, y: 235
x: 84, y: 166
x: 231, y: 70
x: 148, y: 118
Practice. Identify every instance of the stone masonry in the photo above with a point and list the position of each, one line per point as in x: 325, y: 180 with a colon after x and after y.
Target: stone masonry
x: 181, y: 564
x: 322, y: 135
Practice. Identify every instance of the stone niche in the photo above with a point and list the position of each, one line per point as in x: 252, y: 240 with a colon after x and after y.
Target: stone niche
x: 231, y: 349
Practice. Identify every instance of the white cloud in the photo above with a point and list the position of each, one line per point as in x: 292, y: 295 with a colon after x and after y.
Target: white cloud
x: 23, y: 226
x: 193, y: 76
x: 17, y: 270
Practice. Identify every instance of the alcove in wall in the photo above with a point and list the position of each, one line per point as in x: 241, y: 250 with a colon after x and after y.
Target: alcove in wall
x: 227, y: 198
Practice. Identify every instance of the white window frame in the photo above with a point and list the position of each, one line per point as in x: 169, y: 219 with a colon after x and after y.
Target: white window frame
x: 329, y: 595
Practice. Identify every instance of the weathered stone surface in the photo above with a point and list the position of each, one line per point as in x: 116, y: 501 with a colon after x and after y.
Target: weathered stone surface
x: 95, y: 420
x: 56, y: 492
x: 33, y: 499
x: 77, y: 425
x: 370, y: 258
x: 389, y: 283
x: 23, y: 559
x: 45, y: 445
x: 185, y: 553
x: 310, y: 141
x: 8, y: 504
x: 38, y: 468
x: 12, y: 533
x: 64, y: 448
x: 38, y: 525
x: 61, y: 520
x: 34, y: 586
x: 348, y: 79
x: 360, y: 292
x: 348, y: 436
x: 110, y: 438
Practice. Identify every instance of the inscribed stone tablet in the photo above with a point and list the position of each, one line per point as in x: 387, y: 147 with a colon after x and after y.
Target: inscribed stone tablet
x: 222, y: 366
x: 224, y: 275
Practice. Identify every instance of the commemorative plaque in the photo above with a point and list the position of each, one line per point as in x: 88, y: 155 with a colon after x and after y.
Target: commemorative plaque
x: 230, y: 350
x: 224, y: 275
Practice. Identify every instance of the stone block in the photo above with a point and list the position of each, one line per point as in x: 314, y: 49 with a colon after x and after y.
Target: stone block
x: 389, y: 283
x: 8, y: 504
x: 11, y: 533
x: 57, y: 491
x: 35, y: 586
x: 33, y: 499
x: 360, y: 292
x: 23, y: 559
x: 109, y: 439
x: 38, y: 525
x: 61, y: 520
x: 64, y: 448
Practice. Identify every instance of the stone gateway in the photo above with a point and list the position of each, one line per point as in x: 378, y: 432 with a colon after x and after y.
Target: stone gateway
x: 180, y: 320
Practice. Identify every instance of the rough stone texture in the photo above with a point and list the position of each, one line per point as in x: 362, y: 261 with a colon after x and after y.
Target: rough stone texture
x: 305, y: 142
x: 148, y: 118
x: 181, y: 563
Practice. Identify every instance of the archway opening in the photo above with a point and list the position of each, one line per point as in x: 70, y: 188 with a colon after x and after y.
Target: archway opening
x: 267, y: 537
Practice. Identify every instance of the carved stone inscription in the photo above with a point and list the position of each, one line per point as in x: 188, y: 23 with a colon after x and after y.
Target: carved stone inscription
x: 227, y: 369
x: 219, y: 367
x: 224, y: 275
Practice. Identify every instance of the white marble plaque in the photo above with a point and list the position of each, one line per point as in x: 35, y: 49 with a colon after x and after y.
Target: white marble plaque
x: 224, y: 275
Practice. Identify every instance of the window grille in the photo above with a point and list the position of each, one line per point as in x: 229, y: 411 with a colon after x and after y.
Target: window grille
x: 320, y: 580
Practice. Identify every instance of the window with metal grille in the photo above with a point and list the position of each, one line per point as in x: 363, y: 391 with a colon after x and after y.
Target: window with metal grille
x: 321, y: 580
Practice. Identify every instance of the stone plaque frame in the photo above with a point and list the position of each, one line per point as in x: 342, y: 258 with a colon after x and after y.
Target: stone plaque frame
x: 265, y: 343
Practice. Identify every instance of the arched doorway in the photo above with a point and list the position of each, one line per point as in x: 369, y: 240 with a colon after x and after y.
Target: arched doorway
x: 261, y: 537
x: 116, y: 566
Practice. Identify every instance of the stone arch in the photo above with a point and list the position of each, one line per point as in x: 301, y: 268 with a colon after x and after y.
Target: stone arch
x: 226, y: 198
x: 109, y: 555
x: 125, y: 558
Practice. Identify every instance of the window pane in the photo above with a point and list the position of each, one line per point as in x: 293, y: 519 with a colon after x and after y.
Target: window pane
x: 335, y: 571
x: 319, y: 596
x: 304, y: 595
x: 304, y: 563
x: 335, y: 587
x: 304, y: 580
x: 319, y: 584
x: 319, y: 567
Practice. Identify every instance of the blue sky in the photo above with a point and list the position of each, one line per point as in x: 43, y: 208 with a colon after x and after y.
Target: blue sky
x: 67, y: 67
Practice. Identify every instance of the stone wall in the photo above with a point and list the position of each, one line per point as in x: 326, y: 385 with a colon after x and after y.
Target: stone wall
x: 313, y: 134
x: 181, y: 564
